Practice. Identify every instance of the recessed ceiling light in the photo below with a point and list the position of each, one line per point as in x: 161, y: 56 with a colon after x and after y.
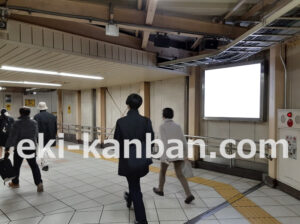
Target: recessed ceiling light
x: 45, y: 72
x: 30, y: 83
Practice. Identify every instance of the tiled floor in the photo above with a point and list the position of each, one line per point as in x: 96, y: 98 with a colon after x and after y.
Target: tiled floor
x: 89, y: 191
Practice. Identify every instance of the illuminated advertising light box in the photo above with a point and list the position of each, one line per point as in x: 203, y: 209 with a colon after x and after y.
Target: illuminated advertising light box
x: 235, y: 92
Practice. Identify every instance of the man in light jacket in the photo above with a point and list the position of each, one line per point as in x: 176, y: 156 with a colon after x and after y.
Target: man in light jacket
x: 170, y: 130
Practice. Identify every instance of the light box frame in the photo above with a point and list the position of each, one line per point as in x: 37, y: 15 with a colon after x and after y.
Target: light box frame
x: 263, y: 91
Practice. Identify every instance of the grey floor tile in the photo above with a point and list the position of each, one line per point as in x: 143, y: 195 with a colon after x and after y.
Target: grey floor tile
x: 61, y: 218
x: 86, y: 217
x: 115, y: 216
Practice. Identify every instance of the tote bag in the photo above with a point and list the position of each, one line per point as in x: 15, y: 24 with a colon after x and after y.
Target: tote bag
x: 187, y: 169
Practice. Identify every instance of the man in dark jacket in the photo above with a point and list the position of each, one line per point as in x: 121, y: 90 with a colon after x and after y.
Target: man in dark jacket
x: 25, y: 128
x: 6, y: 123
x: 47, y: 124
x: 134, y: 126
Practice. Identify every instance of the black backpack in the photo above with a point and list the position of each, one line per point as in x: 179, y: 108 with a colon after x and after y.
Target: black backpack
x: 7, y: 171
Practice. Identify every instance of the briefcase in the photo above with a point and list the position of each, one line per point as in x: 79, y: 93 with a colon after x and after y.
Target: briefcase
x: 7, y: 171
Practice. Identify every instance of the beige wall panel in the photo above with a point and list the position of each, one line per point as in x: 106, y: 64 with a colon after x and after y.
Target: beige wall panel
x: 77, y: 44
x: 68, y: 42
x: 140, y: 57
x: 13, y: 28
x: 26, y: 34
x: 69, y: 99
x: 134, y: 57
x: 122, y: 56
x: 37, y: 36
x: 48, y: 38
x: 145, y: 58
x: 293, y: 70
x: 239, y: 130
x: 86, y: 108
x: 261, y: 131
x: 115, y: 104
x: 58, y: 41
x: 101, y: 49
x: 115, y: 51
x: 152, y: 60
x: 108, y: 51
x: 219, y: 129
x: 167, y: 93
x: 85, y: 46
x: 128, y: 55
x: 98, y: 107
x: 93, y: 48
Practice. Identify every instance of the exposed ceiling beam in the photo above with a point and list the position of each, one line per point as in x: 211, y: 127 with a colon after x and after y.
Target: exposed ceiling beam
x: 196, y: 43
x: 234, y: 9
x: 272, y: 35
x: 268, y: 20
x: 151, y: 29
x: 86, y: 30
x: 283, y: 28
x: 151, y: 8
x: 139, y: 4
x: 256, y: 8
x: 125, y: 16
x: 139, y: 7
x: 290, y: 18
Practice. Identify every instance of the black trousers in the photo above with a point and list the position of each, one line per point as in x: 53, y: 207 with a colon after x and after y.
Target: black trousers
x: 18, y: 160
x: 136, y: 196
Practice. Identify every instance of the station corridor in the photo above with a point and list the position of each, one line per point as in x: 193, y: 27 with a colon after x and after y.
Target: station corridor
x: 81, y: 190
x: 204, y: 94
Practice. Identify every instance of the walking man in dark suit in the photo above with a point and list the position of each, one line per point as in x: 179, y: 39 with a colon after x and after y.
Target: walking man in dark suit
x: 47, y: 124
x: 134, y: 126
x: 25, y: 128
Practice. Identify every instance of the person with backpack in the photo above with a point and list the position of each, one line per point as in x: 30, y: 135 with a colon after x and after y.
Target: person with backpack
x: 47, y: 124
x: 134, y: 127
x: 6, y: 123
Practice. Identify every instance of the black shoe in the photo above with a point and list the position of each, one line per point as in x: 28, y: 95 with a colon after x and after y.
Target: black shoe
x: 158, y: 192
x: 189, y: 199
x: 127, y: 199
x: 45, y: 168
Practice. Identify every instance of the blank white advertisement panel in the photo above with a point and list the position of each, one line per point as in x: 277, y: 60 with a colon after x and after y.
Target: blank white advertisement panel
x: 233, y: 92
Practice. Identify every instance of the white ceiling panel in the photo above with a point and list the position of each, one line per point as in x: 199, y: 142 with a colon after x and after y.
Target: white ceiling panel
x: 114, y: 73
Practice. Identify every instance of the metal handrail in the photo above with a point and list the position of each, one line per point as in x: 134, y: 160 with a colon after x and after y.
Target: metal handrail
x: 97, y: 131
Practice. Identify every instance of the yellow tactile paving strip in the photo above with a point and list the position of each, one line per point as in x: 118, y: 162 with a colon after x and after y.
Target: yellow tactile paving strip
x: 251, y: 211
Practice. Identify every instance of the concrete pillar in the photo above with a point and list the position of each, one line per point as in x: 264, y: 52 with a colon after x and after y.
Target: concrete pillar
x: 145, y: 94
x: 60, y: 110
x: 194, y: 114
x: 102, y: 110
x: 78, y: 114
x: 276, y: 99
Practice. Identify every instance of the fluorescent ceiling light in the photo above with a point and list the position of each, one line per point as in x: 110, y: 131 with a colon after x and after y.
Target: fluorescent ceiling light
x: 30, y: 83
x: 79, y: 76
x: 19, y: 69
x: 45, y: 72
